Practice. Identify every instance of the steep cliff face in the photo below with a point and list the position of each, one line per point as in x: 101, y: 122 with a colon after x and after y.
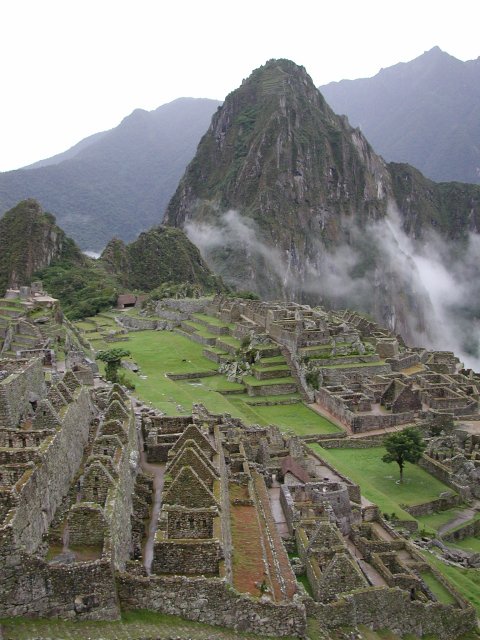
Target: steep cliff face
x: 30, y: 240
x: 284, y: 197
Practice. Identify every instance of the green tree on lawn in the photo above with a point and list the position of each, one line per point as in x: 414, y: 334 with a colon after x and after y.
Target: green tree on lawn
x: 113, y: 361
x: 405, y: 446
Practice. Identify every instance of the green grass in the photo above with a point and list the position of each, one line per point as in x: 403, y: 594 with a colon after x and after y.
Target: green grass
x: 214, y: 383
x: 437, y: 588
x: 285, y: 396
x: 434, y: 521
x: 160, y: 352
x: 265, y: 383
x: 200, y: 329
x: 295, y: 417
x: 134, y: 625
x: 470, y: 543
x: 354, y: 366
x: 466, y: 581
x: 233, y: 342
x: 213, y: 321
x: 273, y: 360
x: 378, y: 480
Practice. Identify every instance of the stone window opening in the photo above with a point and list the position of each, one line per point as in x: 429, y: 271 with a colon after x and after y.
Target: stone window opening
x: 105, y: 452
x: 10, y: 443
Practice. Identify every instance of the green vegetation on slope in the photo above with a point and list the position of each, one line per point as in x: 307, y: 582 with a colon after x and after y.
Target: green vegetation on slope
x: 162, y: 259
x: 82, y: 290
x: 161, y: 255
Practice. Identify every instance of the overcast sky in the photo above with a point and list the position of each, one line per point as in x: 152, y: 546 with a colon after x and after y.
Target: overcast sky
x: 70, y: 68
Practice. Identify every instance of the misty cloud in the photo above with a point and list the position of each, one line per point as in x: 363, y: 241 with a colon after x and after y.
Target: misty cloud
x: 432, y: 289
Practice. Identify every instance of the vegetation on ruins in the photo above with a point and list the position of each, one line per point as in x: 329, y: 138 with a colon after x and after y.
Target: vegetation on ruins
x: 113, y: 361
x: 402, y: 447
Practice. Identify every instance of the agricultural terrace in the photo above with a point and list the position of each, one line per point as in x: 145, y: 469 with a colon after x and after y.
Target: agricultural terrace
x: 160, y: 353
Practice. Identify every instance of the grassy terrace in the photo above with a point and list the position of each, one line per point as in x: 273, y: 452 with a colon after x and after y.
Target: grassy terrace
x: 378, y: 480
x: 437, y: 588
x: 378, y: 363
x: 213, y: 321
x: 265, y: 383
x: 134, y: 625
x: 161, y: 352
x: 467, y: 581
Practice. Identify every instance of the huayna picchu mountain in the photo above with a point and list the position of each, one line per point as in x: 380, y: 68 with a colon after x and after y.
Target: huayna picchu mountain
x: 286, y: 198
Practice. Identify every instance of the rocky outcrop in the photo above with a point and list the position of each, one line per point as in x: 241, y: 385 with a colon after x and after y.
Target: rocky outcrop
x: 30, y: 241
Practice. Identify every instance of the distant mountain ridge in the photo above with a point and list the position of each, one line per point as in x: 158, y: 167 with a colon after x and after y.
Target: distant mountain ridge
x: 116, y: 182
x: 425, y: 112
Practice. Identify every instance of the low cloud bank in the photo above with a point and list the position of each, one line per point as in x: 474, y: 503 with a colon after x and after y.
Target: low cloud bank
x: 429, y: 291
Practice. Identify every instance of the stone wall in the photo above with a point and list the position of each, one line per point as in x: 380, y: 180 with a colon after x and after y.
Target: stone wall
x: 213, y: 602
x: 442, y: 473
x: 470, y: 528
x: 194, y: 557
x: 384, y: 608
x: 440, y: 504
x: 18, y: 389
x: 50, y: 480
x: 33, y: 587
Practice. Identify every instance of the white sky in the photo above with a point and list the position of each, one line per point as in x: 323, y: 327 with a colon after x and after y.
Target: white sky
x: 70, y: 68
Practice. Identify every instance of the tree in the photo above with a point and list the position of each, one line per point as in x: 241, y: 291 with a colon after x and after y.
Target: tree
x: 113, y: 361
x: 405, y: 446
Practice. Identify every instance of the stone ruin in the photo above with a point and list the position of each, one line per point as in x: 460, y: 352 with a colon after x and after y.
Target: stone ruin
x: 104, y: 508
x: 368, y: 379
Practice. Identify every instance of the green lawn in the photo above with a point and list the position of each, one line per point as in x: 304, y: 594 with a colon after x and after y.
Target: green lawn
x: 434, y: 521
x: 213, y: 321
x: 160, y: 352
x: 378, y: 480
x: 466, y: 581
x: 134, y: 625
x: 295, y: 417
x: 468, y: 544
x: 265, y: 383
x: 437, y: 588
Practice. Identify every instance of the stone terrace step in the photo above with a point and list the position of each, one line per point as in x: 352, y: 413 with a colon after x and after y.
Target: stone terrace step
x: 266, y: 373
x: 196, y: 337
x: 277, y: 386
x: 215, y: 355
